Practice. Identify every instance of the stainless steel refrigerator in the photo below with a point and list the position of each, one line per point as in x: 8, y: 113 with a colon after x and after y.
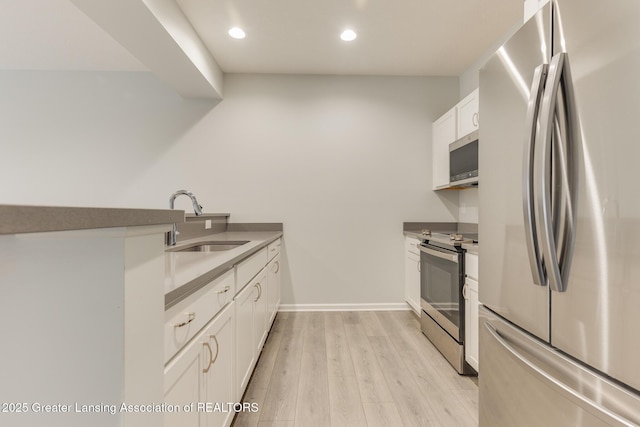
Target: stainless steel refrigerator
x: 559, y: 220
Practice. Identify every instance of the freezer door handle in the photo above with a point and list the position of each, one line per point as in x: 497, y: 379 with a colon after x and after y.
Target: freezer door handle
x: 565, y: 172
x: 543, y: 180
x: 531, y: 233
x: 610, y: 417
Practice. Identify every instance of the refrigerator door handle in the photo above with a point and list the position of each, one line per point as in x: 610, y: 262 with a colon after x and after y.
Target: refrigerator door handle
x: 566, y: 171
x: 531, y: 233
x: 610, y: 417
x: 543, y: 158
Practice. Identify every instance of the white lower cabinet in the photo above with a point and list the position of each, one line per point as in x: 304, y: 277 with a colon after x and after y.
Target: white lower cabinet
x: 256, y: 307
x: 273, y: 292
x: 471, y: 330
x: 245, y: 356
x: 260, y: 327
x: 412, y: 274
x: 470, y: 293
x: 202, y: 373
x: 210, y: 362
x: 219, y: 378
x: 251, y: 328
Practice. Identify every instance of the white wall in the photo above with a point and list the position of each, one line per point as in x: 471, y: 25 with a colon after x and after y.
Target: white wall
x: 469, y: 79
x: 468, y: 205
x: 341, y: 160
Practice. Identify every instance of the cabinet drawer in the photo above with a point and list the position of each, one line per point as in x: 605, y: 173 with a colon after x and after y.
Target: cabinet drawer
x: 471, y: 265
x: 183, y: 321
x: 247, y: 269
x: 274, y: 248
x: 411, y: 245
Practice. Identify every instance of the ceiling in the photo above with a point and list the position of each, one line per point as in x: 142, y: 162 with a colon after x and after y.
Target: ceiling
x: 395, y: 37
x: 56, y: 35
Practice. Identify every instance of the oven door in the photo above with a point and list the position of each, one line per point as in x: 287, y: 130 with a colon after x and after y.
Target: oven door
x: 440, y: 288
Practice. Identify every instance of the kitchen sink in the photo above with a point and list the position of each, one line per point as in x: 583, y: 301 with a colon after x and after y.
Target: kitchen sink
x: 211, y: 246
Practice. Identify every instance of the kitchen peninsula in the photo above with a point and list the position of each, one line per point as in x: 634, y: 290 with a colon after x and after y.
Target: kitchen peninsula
x: 86, y: 291
x: 80, y: 307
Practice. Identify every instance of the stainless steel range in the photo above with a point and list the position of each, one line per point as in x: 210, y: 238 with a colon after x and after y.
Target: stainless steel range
x: 441, y: 299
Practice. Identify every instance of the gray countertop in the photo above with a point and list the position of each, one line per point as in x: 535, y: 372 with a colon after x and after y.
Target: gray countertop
x: 416, y: 234
x: 415, y: 230
x: 473, y: 248
x: 186, y: 272
x: 15, y: 219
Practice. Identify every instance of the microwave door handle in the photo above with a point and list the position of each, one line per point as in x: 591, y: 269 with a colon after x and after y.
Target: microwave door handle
x: 542, y: 184
x: 531, y: 234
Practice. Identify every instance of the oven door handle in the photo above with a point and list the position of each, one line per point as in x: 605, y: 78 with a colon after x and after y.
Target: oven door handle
x: 448, y: 257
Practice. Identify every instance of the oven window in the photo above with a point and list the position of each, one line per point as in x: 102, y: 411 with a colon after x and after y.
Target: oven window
x: 440, y: 286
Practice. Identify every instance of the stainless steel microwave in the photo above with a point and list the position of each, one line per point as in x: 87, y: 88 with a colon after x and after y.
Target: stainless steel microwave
x: 463, y: 161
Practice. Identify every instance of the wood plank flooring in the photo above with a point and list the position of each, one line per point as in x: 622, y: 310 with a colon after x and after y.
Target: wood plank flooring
x: 351, y: 369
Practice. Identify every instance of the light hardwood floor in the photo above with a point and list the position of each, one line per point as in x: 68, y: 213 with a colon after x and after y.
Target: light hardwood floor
x: 335, y: 369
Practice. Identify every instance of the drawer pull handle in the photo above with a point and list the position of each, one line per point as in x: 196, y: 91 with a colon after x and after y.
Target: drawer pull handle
x: 212, y: 358
x: 418, y: 264
x: 190, y: 318
x: 277, y: 266
x: 224, y: 291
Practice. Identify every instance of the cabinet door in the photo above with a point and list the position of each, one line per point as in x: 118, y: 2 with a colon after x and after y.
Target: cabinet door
x: 218, y: 375
x: 273, y: 292
x: 245, y: 354
x: 468, y: 118
x: 412, y: 281
x: 443, y: 134
x: 183, y: 385
x: 471, y: 323
x: 260, y: 316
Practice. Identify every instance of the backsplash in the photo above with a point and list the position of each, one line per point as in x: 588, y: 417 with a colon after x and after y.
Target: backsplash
x: 468, y: 206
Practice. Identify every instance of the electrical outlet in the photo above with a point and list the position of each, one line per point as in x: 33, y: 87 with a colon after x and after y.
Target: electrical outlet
x: 207, y: 224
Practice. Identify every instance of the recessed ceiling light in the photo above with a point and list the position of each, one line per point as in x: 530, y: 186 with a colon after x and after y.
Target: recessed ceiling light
x: 348, y: 35
x: 237, y: 33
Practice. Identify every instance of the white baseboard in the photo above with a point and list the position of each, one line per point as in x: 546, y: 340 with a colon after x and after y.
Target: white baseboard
x: 346, y: 307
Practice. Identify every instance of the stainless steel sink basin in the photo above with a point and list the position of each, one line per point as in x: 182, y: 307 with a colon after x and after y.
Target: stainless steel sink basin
x: 211, y: 246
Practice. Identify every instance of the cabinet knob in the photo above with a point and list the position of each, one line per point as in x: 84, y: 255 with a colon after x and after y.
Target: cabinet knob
x: 224, y: 291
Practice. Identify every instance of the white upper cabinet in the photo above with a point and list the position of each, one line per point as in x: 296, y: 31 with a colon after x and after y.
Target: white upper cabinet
x: 467, y: 114
x: 444, y: 133
x: 531, y: 7
x: 456, y: 123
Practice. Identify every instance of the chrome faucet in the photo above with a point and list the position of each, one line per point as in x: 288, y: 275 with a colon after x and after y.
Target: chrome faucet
x: 173, y: 234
